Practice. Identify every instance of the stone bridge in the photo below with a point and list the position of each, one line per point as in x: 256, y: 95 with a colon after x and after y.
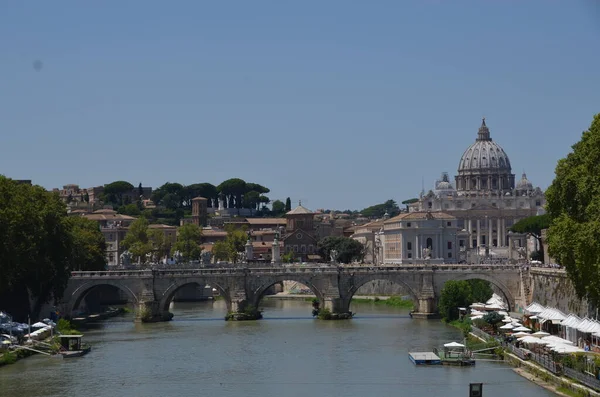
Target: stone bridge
x: 152, y: 291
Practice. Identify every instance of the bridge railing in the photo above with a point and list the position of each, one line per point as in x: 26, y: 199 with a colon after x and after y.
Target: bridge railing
x: 319, y: 268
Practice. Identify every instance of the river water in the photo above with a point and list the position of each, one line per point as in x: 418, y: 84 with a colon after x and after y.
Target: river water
x: 286, y: 354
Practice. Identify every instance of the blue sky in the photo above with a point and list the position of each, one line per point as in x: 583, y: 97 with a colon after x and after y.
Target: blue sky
x: 339, y: 104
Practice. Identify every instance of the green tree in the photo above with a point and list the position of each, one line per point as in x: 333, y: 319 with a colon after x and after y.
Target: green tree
x: 137, y: 240
x: 493, y: 319
x: 234, y: 243
x: 188, y: 242
x: 221, y: 251
x: 481, y: 290
x: 89, y: 246
x: 454, y: 294
x: 288, y: 204
x: 86, y: 197
x: 129, y: 209
x: 38, y: 249
x: 206, y: 190
x: 233, y: 189
x: 278, y: 208
x: 409, y: 201
x: 348, y: 249
x: 169, y: 195
x: 534, y: 226
x: 573, y: 204
x: 378, y: 211
x: 288, y: 257
x: 114, y: 191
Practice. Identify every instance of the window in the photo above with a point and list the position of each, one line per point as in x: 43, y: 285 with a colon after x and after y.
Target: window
x: 461, y: 243
x: 449, y: 254
x: 303, y: 248
x: 311, y: 249
x: 446, y: 205
x: 409, y: 255
x: 429, y: 242
x: 409, y: 246
x: 538, y: 203
x: 494, y: 205
x: 449, y: 245
x: 459, y: 204
x: 448, y: 223
x: 408, y: 225
x: 429, y: 204
x: 472, y: 205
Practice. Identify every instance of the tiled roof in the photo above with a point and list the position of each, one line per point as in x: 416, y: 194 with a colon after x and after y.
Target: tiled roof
x: 299, y: 210
x: 266, y: 221
x: 161, y: 226
x: 419, y: 215
x: 108, y: 217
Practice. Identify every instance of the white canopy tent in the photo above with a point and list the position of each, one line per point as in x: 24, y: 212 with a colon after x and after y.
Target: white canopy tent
x: 534, y: 308
x: 454, y: 344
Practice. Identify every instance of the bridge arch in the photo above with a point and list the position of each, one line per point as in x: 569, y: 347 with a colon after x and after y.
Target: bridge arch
x: 258, y: 291
x: 81, y: 292
x: 168, y: 295
x: 399, y: 279
x: 508, y: 295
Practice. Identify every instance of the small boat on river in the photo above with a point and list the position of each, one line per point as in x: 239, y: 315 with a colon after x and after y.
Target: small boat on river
x: 71, y: 346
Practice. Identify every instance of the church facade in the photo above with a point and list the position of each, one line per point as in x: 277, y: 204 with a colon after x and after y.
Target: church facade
x: 485, y: 198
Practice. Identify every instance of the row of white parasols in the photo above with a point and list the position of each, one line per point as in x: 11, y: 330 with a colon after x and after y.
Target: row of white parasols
x: 551, y: 342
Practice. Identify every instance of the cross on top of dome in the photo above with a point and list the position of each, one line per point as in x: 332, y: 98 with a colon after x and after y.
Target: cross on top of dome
x: 484, y: 132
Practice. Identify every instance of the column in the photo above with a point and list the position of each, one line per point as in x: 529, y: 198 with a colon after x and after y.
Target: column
x: 499, y: 232
x: 440, y: 252
x: 478, y: 233
x: 416, y: 251
x: 503, y: 232
x: 490, y: 232
x: 470, y: 230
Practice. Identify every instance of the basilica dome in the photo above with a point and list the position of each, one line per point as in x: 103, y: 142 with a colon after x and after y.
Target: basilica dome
x: 484, y: 165
x: 484, y: 155
x: 524, y: 183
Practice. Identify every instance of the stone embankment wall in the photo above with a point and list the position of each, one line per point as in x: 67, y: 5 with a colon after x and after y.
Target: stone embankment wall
x: 552, y: 287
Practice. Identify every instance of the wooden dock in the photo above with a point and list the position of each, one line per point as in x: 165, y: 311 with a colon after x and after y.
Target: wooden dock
x: 425, y: 358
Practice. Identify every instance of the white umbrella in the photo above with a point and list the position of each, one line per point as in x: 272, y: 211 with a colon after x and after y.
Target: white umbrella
x: 507, y: 320
x: 522, y: 329
x: 502, y: 313
x: 540, y: 334
x: 556, y: 339
x: 532, y: 340
x: 453, y: 344
x: 520, y: 334
x: 507, y: 326
x: 477, y: 317
x: 39, y: 325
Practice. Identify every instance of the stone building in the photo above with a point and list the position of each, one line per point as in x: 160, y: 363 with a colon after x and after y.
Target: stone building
x: 370, y: 236
x: 300, y: 234
x: 415, y: 237
x: 485, y: 199
x: 199, y: 211
x: 114, y: 228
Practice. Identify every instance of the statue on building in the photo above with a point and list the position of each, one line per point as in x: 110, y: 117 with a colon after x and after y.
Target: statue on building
x: 426, y: 253
x: 125, y: 258
x: 333, y: 255
x: 205, y: 257
x: 522, y: 253
x: 177, y: 256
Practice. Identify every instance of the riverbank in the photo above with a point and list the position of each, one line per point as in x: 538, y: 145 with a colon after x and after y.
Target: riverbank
x: 560, y: 385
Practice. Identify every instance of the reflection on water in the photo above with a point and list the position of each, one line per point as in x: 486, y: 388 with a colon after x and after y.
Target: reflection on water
x: 288, y: 353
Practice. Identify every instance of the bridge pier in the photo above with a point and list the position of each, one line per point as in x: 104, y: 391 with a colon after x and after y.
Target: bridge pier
x: 241, y: 308
x: 336, y: 308
x: 151, y: 312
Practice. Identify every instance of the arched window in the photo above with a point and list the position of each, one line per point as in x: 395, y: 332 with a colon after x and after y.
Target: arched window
x: 429, y: 243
